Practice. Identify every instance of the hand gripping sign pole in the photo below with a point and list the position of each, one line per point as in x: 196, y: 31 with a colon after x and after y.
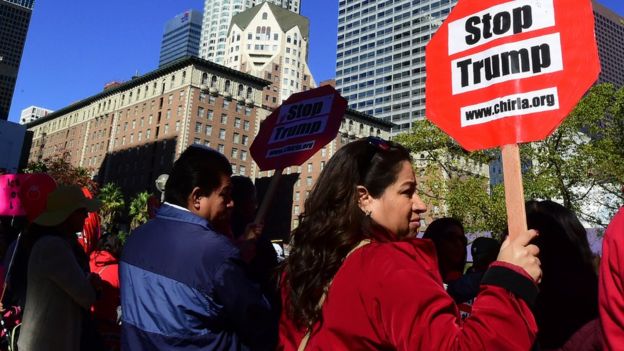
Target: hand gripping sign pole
x: 503, y: 72
x: 294, y: 132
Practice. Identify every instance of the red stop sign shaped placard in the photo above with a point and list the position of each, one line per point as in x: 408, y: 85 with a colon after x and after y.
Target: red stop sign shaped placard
x: 507, y: 72
x: 300, y: 127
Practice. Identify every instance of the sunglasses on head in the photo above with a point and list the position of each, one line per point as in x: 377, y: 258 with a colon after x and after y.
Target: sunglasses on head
x: 378, y: 143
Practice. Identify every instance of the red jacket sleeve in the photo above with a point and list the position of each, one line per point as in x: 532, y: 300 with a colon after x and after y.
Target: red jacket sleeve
x: 611, y: 286
x: 499, y: 320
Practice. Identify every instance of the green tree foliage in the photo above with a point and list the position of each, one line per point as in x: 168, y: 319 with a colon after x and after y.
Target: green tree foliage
x: 113, y: 204
x: 138, y: 209
x: 64, y: 173
x: 582, y: 162
x: 581, y: 165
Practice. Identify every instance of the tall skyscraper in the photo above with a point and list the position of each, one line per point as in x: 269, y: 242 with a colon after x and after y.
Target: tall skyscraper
x: 270, y: 42
x: 181, y: 37
x: 380, y: 63
x: 217, y: 17
x: 610, y: 38
x: 14, y: 21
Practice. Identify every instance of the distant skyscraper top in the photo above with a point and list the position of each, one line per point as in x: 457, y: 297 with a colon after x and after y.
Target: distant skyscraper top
x: 610, y: 38
x: 33, y: 113
x: 217, y: 17
x: 14, y: 22
x: 24, y: 3
x: 181, y: 37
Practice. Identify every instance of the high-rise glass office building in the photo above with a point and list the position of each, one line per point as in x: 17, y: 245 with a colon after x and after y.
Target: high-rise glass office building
x: 14, y: 21
x: 217, y: 17
x: 609, y: 28
x: 181, y: 37
x: 380, y: 64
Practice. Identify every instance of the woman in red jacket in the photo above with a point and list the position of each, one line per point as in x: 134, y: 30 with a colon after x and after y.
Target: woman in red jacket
x: 358, y: 279
x: 104, y: 261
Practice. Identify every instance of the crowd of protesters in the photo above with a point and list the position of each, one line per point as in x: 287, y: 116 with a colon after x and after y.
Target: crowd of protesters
x: 202, y: 274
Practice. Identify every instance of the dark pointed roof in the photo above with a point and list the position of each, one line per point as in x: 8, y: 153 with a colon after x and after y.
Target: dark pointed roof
x: 286, y: 19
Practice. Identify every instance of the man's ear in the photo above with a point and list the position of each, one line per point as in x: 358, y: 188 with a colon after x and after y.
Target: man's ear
x: 364, y: 198
x: 193, y: 198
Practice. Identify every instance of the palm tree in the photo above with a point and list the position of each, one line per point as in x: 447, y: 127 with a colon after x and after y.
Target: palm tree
x: 138, y: 209
x: 112, y: 204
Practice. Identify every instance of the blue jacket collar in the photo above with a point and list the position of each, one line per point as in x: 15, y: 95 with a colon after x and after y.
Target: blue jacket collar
x: 171, y: 213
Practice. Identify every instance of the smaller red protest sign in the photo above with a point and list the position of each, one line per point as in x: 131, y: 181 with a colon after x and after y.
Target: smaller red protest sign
x: 300, y: 127
x: 24, y: 194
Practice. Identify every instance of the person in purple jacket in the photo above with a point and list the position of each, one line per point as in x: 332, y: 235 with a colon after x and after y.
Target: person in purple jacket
x: 183, y: 284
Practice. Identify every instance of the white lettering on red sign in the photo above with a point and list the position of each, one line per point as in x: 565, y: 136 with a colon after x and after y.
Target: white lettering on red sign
x: 499, y: 21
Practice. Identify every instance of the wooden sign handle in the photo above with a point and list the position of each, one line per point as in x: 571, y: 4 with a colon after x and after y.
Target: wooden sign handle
x: 514, y: 191
x: 268, y: 196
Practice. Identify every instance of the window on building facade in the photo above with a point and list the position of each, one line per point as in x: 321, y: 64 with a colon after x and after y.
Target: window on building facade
x: 222, y: 134
x: 221, y: 148
x: 234, y: 153
x: 198, y: 127
x: 242, y: 170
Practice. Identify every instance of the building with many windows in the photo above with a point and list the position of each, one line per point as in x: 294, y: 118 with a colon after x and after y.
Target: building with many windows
x: 181, y: 37
x: 270, y: 42
x: 380, y: 63
x: 14, y: 22
x: 217, y: 17
x: 131, y: 133
x: 610, y: 38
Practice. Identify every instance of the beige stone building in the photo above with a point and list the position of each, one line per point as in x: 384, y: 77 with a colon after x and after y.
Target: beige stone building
x: 131, y: 132
x: 270, y: 42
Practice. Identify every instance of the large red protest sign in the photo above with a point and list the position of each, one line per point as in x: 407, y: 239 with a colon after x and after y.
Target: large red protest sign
x: 300, y: 127
x: 507, y: 72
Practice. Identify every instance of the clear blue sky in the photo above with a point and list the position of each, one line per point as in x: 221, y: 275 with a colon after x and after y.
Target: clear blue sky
x: 74, y: 47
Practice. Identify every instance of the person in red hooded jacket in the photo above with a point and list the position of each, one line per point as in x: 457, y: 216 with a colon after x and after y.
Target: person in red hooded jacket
x: 611, y: 284
x: 357, y: 278
x: 104, y: 262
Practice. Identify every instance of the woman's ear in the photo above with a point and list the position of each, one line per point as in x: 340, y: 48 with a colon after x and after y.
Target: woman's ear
x: 364, y: 199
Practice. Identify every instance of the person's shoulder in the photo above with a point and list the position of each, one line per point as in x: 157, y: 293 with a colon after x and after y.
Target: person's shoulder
x: 417, y: 253
x: 51, y: 243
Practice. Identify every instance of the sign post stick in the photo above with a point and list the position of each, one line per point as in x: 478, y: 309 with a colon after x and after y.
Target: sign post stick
x: 514, y: 191
x: 268, y: 196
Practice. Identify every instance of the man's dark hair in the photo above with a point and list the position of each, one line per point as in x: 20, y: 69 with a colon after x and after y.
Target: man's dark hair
x: 198, y: 166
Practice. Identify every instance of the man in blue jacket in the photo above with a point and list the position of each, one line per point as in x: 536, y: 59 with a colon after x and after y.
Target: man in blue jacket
x: 183, y: 285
